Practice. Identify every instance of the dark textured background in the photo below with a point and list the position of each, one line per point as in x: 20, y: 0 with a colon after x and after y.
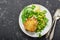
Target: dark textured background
x: 9, y: 15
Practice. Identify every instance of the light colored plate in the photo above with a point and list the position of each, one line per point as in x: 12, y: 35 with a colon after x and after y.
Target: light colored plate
x: 46, y: 29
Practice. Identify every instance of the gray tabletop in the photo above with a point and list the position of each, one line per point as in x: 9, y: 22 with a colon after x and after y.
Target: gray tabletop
x: 9, y: 15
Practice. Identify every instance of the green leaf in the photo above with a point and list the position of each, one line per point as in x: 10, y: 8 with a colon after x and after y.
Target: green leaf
x: 33, y: 6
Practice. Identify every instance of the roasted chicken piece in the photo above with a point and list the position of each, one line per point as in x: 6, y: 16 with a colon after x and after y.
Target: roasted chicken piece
x: 31, y: 24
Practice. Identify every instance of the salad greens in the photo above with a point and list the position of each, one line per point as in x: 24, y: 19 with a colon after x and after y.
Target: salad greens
x: 27, y: 12
x: 40, y: 16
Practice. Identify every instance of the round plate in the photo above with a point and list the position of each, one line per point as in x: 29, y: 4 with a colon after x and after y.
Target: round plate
x: 46, y: 29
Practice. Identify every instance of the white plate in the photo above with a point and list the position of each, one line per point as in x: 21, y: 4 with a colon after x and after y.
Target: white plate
x: 46, y: 29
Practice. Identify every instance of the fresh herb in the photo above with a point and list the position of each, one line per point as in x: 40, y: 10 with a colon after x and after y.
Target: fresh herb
x: 40, y: 35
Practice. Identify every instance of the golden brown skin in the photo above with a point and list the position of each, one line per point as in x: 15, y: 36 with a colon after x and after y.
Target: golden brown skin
x: 31, y: 24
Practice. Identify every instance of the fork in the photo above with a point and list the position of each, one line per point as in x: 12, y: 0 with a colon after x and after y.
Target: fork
x: 56, y: 16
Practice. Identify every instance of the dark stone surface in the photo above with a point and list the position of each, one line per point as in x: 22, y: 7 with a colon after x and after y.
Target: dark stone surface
x: 9, y: 15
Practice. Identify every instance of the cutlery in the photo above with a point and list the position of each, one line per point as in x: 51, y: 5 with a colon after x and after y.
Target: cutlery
x: 56, y: 16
